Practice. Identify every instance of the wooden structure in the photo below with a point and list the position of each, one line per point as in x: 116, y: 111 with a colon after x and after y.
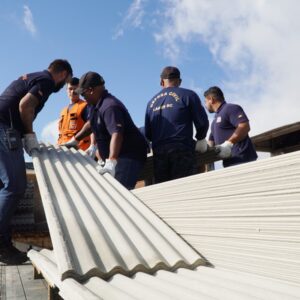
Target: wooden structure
x: 280, y: 140
x: 17, y: 282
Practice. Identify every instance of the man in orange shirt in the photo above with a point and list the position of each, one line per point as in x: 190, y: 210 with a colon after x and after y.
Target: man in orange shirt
x: 73, y: 117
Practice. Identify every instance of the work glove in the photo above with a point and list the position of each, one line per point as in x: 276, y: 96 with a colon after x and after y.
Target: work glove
x: 100, y: 165
x: 225, y: 149
x: 30, y: 143
x: 91, y: 151
x: 201, y: 146
x: 72, y: 143
x: 109, y: 167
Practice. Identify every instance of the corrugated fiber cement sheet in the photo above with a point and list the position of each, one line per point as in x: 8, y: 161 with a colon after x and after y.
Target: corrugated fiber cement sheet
x: 98, y: 227
x: 245, y: 217
x: 203, y: 283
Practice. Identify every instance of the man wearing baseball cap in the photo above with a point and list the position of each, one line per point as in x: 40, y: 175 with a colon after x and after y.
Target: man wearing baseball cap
x: 169, y: 121
x: 120, y: 144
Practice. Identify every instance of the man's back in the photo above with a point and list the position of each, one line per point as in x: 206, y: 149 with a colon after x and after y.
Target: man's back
x: 170, y: 116
x: 169, y: 121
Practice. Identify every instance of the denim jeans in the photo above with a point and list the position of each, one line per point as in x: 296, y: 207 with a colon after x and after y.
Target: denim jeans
x: 12, y: 183
x: 128, y: 171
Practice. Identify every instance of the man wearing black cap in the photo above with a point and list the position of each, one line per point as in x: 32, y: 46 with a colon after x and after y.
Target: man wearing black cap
x: 169, y: 120
x: 120, y: 143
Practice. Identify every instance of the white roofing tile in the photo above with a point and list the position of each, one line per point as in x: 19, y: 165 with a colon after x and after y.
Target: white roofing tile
x: 245, y: 217
x: 98, y: 227
x: 202, y: 283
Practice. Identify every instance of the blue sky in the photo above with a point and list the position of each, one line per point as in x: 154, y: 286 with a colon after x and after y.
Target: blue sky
x: 249, y: 48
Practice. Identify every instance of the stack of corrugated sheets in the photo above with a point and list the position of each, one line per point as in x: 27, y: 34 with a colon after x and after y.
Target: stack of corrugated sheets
x: 109, y: 245
x: 245, y: 218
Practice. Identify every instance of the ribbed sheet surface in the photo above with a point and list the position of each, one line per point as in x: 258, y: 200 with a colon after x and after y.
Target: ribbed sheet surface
x: 202, y: 283
x: 245, y: 217
x: 98, y: 227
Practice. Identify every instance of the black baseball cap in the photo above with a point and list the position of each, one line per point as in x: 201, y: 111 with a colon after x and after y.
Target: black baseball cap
x: 89, y: 79
x: 170, y: 73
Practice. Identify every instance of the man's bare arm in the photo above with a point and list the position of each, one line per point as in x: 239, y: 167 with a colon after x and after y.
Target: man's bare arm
x: 85, y: 131
x: 27, y: 107
x: 115, y: 145
x: 240, y: 133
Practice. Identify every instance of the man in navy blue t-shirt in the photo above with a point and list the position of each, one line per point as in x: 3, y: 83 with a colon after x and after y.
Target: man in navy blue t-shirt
x: 229, y: 129
x: 120, y: 144
x: 20, y: 102
x: 169, y: 121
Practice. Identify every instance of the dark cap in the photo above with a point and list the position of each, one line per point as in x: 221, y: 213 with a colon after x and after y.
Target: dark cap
x: 89, y: 79
x: 170, y: 73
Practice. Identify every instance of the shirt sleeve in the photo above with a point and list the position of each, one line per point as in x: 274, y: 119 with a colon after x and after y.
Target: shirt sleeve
x: 199, y: 115
x: 147, y: 128
x: 85, y: 113
x: 114, y: 120
x: 42, y: 90
x: 237, y: 115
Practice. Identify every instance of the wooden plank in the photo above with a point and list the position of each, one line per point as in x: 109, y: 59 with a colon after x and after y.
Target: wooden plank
x: 13, y: 284
x: 45, y: 283
x: 34, y: 289
x: 280, y: 131
x: 37, y: 274
x: 36, y: 239
x: 17, y: 283
x: 2, y: 283
x: 53, y: 293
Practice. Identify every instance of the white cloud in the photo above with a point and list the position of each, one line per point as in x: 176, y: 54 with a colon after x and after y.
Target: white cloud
x: 133, y: 18
x: 49, y: 133
x: 28, y: 21
x: 256, y: 43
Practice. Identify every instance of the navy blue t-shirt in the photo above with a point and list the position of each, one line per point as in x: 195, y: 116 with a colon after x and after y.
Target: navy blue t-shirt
x: 170, y: 116
x: 111, y: 116
x: 39, y: 84
x: 227, y: 118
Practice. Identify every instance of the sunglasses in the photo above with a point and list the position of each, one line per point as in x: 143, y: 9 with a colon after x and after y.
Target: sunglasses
x: 85, y: 91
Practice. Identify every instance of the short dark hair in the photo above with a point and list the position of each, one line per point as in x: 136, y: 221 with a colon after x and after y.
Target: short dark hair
x: 170, y: 73
x: 74, y: 81
x: 216, y: 92
x: 59, y: 65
